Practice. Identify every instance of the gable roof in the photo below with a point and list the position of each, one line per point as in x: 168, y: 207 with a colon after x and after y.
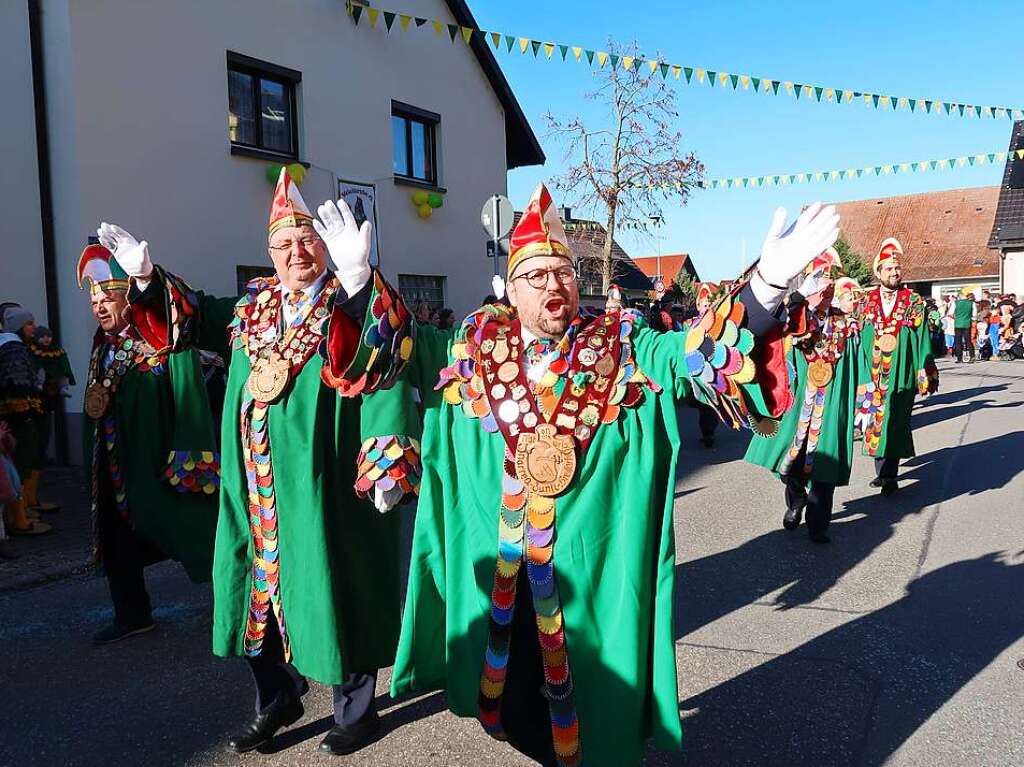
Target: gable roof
x: 1008, y: 228
x: 671, y: 265
x: 944, y: 234
x: 521, y: 145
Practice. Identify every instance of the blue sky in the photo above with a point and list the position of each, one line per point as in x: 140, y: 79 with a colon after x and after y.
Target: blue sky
x: 969, y: 52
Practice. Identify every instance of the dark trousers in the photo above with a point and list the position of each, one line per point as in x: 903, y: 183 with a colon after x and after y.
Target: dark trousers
x: 708, y: 421
x: 274, y: 677
x: 125, y: 557
x: 525, y: 715
x: 886, y: 468
x: 962, y: 342
x: 814, y: 497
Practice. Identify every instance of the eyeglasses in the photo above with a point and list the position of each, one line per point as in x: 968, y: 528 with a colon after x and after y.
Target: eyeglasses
x: 538, y: 278
x: 305, y: 242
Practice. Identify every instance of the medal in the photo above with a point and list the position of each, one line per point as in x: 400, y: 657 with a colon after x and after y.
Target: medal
x: 819, y: 373
x: 887, y: 343
x: 545, y: 461
x: 97, y: 400
x: 268, y: 379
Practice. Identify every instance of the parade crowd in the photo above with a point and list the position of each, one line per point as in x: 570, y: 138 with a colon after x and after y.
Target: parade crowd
x: 538, y: 438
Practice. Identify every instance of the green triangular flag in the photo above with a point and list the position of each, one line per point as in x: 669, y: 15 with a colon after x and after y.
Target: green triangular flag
x: 775, y: 87
x: 860, y: 172
x: 496, y: 40
x: 419, y: 21
x: 797, y: 90
x: 614, y: 60
x: 874, y: 99
x: 453, y: 31
x: 536, y: 47
x: 947, y: 107
x: 756, y: 82
x: 389, y: 19
x: 932, y: 164
x: 961, y: 108
x: 928, y: 106
x: 712, y: 76
x: 688, y: 71
x: 977, y: 111
x: 912, y: 102
x: 992, y: 157
x: 970, y: 160
x: 735, y: 80
x: 509, y: 41
x: 564, y: 50
x: 357, y: 11
x: 590, y: 57
x: 664, y: 70
x: 818, y: 90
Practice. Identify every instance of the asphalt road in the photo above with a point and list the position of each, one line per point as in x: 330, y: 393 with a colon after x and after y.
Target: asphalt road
x: 897, y: 644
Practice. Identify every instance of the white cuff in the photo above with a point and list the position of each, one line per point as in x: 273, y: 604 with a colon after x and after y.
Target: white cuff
x: 766, y: 295
x: 353, y: 282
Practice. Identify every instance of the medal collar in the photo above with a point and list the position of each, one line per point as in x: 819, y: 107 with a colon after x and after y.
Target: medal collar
x: 310, y: 291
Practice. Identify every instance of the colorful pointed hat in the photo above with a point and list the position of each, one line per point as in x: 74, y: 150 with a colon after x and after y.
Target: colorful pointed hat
x: 828, y: 263
x: 890, y: 250
x: 706, y: 291
x: 539, y: 232
x: 98, y: 266
x: 847, y: 285
x: 288, y: 207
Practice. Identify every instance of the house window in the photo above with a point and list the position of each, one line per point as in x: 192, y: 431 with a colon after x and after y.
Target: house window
x: 262, y: 111
x: 422, y: 288
x: 414, y: 140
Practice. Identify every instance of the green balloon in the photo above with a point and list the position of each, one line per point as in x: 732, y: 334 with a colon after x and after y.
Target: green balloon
x: 434, y: 200
x: 273, y: 172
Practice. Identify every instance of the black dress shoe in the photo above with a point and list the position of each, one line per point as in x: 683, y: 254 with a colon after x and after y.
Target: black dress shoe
x: 876, y: 482
x: 264, y: 726
x: 818, y: 537
x: 116, y: 632
x: 347, y: 740
x: 791, y: 519
x: 889, y: 486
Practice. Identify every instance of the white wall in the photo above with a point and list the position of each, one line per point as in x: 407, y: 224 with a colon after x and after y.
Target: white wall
x: 946, y: 287
x: 139, y: 117
x: 1013, y: 272
x: 21, y: 257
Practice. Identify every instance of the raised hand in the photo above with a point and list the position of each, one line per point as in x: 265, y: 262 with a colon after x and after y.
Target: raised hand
x: 786, y: 252
x: 347, y: 244
x: 130, y: 254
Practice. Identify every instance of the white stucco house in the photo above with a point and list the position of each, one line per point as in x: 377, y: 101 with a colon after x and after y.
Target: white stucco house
x: 164, y: 118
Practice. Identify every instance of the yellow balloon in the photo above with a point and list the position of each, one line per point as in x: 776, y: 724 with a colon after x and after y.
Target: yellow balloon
x: 419, y: 198
x: 297, y: 171
x: 424, y: 211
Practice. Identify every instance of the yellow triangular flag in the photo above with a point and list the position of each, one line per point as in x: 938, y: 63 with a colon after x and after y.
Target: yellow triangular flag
x: 788, y: 86
x: 373, y: 13
x: 834, y: 174
x: 961, y: 161
x: 677, y: 70
x: 700, y: 75
x: 829, y: 94
x: 496, y: 40
x: 467, y: 34
x: 653, y: 66
x: 577, y: 52
x: 403, y: 21
x: 923, y: 165
x: 848, y: 95
x: 904, y: 167
x: 438, y: 27
x: 940, y: 165
x: 980, y: 159
x: 819, y: 176
x: 904, y: 102
x: 723, y: 78
x: 1001, y: 156
x: 745, y: 82
x: 808, y: 91
x: 920, y: 104
x: 602, y: 57
x: 887, y: 169
x: 627, y: 63
x: 1020, y: 154
x: 867, y: 99
x: 524, y: 43
x: 549, y: 48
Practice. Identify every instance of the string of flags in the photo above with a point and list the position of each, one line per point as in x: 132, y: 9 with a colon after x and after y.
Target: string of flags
x: 920, y: 166
x: 691, y: 75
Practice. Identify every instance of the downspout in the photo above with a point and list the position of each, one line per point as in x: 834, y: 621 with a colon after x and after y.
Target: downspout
x: 35, y: 32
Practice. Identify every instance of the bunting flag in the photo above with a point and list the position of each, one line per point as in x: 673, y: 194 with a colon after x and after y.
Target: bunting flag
x: 685, y: 75
x: 846, y: 174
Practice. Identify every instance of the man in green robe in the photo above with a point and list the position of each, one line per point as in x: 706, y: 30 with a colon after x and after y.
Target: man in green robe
x: 306, y: 570
x: 149, y: 445
x: 543, y: 538
x: 812, y: 450
x: 897, y: 365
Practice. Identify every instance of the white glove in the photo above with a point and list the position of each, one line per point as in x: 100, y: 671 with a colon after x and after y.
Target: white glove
x: 812, y: 284
x: 386, y: 500
x: 132, y: 255
x: 786, y: 252
x: 498, y: 286
x: 347, y: 244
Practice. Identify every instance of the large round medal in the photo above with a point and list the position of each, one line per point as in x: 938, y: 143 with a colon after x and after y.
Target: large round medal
x: 268, y: 379
x: 545, y: 461
x: 97, y: 400
x: 819, y: 373
x: 887, y: 343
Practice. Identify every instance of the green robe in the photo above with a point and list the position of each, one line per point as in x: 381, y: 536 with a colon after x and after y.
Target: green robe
x: 614, y: 554
x: 885, y: 400
x: 141, y: 425
x: 832, y: 452
x: 339, y: 557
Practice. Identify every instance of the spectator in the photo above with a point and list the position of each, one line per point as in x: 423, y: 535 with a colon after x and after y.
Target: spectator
x: 963, y: 327
x: 445, y: 318
x: 422, y: 313
x: 981, y: 337
x: 947, y: 324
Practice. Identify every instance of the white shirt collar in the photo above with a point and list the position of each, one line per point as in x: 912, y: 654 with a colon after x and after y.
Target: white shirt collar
x: 310, y: 291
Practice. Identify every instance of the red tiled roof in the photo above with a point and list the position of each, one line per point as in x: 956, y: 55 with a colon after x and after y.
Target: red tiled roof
x: 671, y: 265
x: 944, y: 234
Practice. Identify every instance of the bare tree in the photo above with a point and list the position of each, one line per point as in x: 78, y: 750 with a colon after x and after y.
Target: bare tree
x: 631, y: 161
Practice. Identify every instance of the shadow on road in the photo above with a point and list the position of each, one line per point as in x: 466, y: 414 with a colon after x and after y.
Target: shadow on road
x: 900, y: 665
x: 927, y: 417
